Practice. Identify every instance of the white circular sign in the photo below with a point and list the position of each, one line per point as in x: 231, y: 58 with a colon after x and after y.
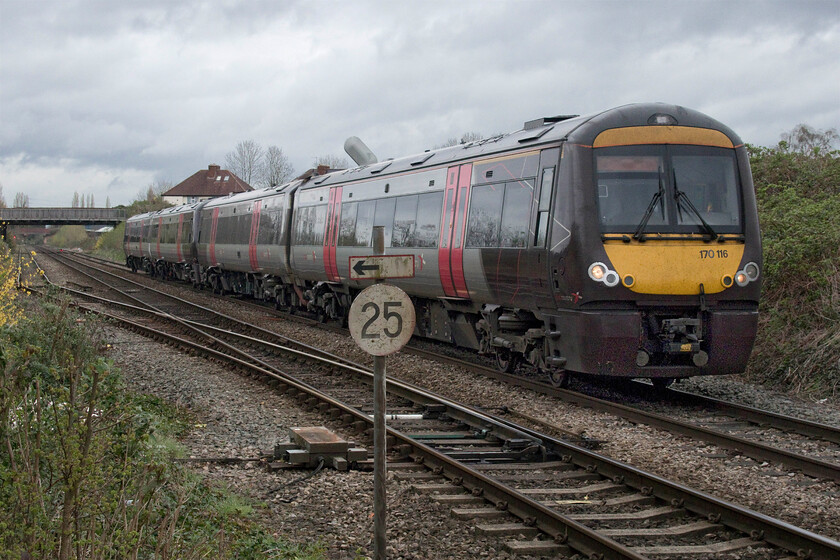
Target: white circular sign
x: 381, y: 319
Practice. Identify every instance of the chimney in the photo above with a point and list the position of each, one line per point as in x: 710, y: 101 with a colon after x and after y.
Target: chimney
x: 212, y: 170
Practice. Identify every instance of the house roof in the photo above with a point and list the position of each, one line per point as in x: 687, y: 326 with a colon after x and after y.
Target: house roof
x: 212, y: 181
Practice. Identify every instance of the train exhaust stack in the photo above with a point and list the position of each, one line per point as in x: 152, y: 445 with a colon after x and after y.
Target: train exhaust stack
x: 359, y: 151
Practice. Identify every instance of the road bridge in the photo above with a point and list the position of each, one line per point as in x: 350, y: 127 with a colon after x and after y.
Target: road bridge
x: 59, y: 217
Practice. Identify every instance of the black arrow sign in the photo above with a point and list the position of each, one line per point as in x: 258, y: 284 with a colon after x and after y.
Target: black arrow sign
x: 360, y: 268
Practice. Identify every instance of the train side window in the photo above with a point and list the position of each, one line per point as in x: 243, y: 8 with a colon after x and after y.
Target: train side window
x: 546, y: 186
x: 265, y: 227
x: 485, y: 216
x: 364, y: 223
x: 245, y: 221
x: 186, y: 230
x: 206, y: 224
x: 277, y: 225
x: 319, y: 217
x: 516, y: 213
x: 405, y: 222
x: 384, y: 216
x: 428, y: 219
x: 303, y: 222
x: 347, y: 227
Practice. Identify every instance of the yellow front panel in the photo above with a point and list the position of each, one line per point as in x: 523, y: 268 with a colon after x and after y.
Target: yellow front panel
x: 676, y: 267
x: 662, y: 135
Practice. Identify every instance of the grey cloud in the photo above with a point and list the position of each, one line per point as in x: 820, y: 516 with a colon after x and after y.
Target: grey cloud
x: 159, y: 89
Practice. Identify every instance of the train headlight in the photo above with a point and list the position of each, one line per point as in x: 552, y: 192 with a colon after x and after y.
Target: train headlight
x: 597, y: 271
x: 727, y: 281
x: 662, y: 118
x: 600, y: 273
x: 747, y: 274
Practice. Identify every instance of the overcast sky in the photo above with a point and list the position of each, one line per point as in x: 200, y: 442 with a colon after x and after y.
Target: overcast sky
x: 105, y: 97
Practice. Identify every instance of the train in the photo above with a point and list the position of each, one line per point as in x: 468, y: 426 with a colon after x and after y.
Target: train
x: 623, y: 243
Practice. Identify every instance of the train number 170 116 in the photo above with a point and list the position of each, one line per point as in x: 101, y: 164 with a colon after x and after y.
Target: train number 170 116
x: 713, y: 253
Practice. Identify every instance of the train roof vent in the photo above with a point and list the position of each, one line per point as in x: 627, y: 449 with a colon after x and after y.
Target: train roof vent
x: 423, y: 158
x: 536, y: 134
x: 537, y: 123
x: 379, y: 167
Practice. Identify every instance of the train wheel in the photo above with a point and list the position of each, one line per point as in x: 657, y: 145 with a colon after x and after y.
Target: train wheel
x: 661, y: 383
x: 506, y: 360
x: 558, y: 378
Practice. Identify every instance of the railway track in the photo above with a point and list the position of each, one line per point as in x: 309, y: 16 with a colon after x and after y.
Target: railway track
x: 545, y: 495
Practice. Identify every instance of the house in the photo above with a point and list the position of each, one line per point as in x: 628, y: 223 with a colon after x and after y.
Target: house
x: 205, y: 184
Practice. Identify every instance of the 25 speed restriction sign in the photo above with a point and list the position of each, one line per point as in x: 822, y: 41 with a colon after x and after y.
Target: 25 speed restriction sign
x: 381, y: 319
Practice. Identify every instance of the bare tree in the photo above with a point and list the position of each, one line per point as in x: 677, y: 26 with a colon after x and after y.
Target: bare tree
x: 332, y: 161
x: 277, y: 169
x: 465, y: 137
x: 806, y: 140
x: 245, y: 161
x: 160, y: 186
x: 21, y: 200
x: 107, y: 202
x: 75, y: 203
x: 2, y: 198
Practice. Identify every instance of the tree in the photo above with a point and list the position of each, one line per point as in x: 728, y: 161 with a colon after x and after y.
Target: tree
x: 2, y: 198
x: 21, y: 200
x: 277, y: 169
x: 806, y: 140
x: 245, y: 161
x: 332, y: 161
x: 465, y: 137
x: 76, y: 202
x: 107, y: 202
x: 90, y: 201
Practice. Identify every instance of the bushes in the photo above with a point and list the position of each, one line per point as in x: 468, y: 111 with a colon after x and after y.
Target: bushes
x: 109, y: 245
x: 798, y: 341
x: 70, y: 237
x: 87, y: 468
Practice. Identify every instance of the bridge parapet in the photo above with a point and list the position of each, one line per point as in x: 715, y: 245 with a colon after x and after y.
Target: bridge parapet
x: 61, y: 216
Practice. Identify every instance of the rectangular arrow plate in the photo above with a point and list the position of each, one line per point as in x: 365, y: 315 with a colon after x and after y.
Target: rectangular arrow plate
x: 380, y: 267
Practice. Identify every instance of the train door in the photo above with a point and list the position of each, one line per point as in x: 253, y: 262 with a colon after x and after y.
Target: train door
x: 540, y: 229
x: 453, y: 221
x: 158, y: 229
x: 331, y: 236
x: 252, y: 240
x: 211, y: 248
x: 178, y: 238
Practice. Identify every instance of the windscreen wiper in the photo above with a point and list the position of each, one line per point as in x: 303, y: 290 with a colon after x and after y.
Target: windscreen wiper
x: 680, y: 196
x: 657, y: 196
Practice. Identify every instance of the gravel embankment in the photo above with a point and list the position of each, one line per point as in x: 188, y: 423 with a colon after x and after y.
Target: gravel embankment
x: 240, y: 417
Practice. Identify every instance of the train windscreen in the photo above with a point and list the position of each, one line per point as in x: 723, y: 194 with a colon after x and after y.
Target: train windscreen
x: 668, y: 189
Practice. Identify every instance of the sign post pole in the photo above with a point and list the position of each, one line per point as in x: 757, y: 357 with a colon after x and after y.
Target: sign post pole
x: 379, y: 440
x: 381, y: 321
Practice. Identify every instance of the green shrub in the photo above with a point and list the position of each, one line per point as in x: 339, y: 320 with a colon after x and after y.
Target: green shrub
x: 798, y: 342
x: 69, y: 237
x: 87, y: 469
x: 109, y: 245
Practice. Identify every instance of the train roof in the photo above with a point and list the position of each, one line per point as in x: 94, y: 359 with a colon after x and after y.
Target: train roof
x: 235, y: 198
x: 539, y: 132
x: 190, y: 207
x: 536, y: 133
